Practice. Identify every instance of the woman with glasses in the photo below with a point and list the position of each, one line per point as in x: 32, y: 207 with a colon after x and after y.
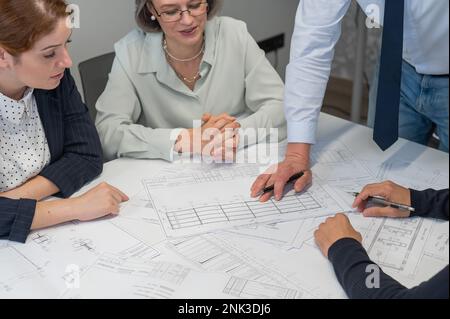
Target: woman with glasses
x: 48, y: 144
x: 184, y: 64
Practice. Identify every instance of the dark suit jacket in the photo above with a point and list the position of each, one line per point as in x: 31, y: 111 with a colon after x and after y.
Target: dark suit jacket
x: 350, y: 259
x: 76, y: 154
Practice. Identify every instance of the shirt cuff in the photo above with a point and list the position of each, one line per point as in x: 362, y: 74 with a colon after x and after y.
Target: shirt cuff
x: 173, y: 139
x: 421, y: 204
x: 299, y: 132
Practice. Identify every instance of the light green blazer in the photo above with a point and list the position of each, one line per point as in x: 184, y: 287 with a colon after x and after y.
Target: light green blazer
x: 144, y: 100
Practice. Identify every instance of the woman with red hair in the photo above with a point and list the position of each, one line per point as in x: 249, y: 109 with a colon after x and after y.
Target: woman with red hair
x: 48, y: 144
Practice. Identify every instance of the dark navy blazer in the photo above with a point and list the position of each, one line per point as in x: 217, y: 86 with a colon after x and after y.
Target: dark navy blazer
x: 76, y: 154
x: 350, y: 259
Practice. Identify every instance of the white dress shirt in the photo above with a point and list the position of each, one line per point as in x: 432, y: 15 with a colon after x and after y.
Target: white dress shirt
x: 24, y: 151
x: 317, y: 30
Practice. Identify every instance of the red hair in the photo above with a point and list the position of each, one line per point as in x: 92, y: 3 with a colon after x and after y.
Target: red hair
x: 24, y: 22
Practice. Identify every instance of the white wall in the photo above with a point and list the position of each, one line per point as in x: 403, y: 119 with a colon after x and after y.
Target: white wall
x: 103, y: 22
x: 266, y: 18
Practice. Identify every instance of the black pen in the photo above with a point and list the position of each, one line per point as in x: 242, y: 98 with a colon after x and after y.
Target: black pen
x: 293, y: 178
x: 382, y: 201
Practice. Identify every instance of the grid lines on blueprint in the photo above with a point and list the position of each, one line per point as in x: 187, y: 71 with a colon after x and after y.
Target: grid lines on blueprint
x: 210, y: 214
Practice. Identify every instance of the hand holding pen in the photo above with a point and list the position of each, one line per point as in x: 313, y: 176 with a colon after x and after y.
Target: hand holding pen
x: 385, y: 199
x: 267, y: 187
x: 276, y: 178
x: 291, y: 179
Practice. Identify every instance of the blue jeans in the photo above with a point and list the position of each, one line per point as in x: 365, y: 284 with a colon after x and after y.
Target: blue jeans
x: 423, y: 106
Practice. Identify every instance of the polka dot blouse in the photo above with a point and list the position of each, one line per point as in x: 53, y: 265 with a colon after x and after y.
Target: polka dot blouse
x: 24, y: 150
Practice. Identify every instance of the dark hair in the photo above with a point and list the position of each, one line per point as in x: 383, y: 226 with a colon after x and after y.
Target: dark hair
x: 24, y: 22
x: 146, y: 24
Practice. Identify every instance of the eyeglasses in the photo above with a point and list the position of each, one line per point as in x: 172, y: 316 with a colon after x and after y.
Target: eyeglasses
x: 195, y: 9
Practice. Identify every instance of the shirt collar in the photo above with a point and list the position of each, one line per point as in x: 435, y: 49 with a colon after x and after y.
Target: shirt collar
x: 12, y: 110
x: 152, y: 52
x: 211, y: 34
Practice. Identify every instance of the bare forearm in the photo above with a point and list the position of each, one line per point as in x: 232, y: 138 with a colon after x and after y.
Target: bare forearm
x: 36, y: 188
x: 51, y: 213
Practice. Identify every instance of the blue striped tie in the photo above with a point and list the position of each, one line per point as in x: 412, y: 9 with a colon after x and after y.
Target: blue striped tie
x: 388, y: 99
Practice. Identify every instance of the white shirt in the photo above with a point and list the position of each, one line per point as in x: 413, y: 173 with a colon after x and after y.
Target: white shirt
x: 145, y: 102
x: 317, y: 30
x: 24, y: 150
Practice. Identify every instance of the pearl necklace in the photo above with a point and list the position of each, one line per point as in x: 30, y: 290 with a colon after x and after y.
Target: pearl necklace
x: 170, y: 57
x: 183, y: 60
x: 185, y: 79
x: 189, y: 80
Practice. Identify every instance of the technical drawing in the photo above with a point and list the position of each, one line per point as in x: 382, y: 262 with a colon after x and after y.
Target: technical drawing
x: 242, y: 288
x: 41, y: 239
x: 212, y: 257
x: 406, y: 173
x: 332, y: 156
x: 194, y: 231
x: 87, y: 244
x: 211, y: 253
x: 207, y: 206
x: 195, y: 174
x: 241, y: 211
x: 437, y: 246
x: 394, y: 242
x: 335, y: 163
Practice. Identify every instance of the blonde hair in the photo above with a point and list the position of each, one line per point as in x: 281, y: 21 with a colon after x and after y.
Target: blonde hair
x: 143, y: 15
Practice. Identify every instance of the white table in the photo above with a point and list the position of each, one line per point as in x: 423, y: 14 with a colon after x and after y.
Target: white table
x: 127, y: 174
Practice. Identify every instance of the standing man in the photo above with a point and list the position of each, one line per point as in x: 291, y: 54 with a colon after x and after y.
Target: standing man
x: 412, y: 96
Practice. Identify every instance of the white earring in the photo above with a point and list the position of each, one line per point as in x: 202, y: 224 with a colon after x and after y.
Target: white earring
x: 153, y: 18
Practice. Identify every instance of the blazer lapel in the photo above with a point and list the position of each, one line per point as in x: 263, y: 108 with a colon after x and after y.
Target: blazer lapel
x: 50, y: 115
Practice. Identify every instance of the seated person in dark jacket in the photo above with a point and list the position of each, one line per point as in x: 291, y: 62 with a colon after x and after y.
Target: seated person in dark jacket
x: 48, y: 144
x: 342, y: 244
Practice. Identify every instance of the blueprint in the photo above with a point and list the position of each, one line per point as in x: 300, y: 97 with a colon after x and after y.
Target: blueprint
x: 148, y: 280
x: 138, y: 218
x: 52, y: 255
x: 402, y: 248
x: 409, y: 174
x: 191, y: 230
x: 20, y: 278
x: 213, y: 253
x: 334, y: 163
x: 219, y: 197
x: 399, y: 246
x: 260, y: 261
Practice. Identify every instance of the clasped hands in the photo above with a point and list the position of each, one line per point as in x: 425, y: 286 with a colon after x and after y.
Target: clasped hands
x: 217, y: 138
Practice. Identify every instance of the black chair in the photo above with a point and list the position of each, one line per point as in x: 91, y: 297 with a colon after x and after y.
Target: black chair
x: 94, y: 76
